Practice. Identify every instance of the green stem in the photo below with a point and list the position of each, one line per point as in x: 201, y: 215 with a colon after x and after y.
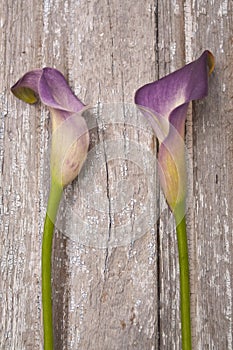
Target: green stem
x: 184, y: 282
x: 52, y: 208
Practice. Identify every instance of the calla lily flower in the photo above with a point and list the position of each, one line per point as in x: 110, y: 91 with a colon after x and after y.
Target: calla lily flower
x: 70, y: 137
x: 70, y: 142
x: 164, y: 103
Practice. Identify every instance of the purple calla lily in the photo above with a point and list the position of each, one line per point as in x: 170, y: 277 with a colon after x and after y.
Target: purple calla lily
x: 164, y: 103
x: 70, y: 142
x: 70, y: 138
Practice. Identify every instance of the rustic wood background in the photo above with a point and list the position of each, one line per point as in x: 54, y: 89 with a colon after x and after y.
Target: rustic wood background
x: 124, y: 297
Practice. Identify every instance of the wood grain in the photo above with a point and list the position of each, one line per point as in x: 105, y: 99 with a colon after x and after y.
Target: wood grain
x: 213, y: 151
x: 126, y: 296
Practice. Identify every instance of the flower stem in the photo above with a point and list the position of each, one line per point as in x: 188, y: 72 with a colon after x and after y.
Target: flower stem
x: 184, y: 283
x: 52, y: 208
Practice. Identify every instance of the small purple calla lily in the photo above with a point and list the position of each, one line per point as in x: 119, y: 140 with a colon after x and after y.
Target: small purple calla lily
x: 164, y: 103
x: 70, y: 142
x: 70, y: 139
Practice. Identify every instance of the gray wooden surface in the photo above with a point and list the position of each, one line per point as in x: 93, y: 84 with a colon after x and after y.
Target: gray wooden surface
x: 109, y: 297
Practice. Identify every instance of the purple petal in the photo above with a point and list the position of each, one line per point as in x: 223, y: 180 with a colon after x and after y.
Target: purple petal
x: 50, y: 86
x: 176, y: 89
x: 56, y: 93
x: 177, y: 118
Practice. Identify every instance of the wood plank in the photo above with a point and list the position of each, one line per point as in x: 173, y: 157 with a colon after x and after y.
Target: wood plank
x: 108, y: 296
x: 211, y: 26
x: 20, y: 203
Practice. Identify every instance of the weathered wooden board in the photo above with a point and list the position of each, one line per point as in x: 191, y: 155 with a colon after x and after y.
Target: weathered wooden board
x: 108, y: 296
x: 212, y: 24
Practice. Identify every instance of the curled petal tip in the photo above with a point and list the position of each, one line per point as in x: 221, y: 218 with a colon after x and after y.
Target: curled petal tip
x: 25, y: 94
x: 26, y: 88
x: 210, y: 61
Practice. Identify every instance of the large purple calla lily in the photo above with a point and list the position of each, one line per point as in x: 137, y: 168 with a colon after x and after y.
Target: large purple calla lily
x: 164, y: 103
x: 70, y: 139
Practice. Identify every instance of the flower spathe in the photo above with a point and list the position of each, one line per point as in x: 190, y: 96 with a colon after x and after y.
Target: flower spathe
x: 164, y: 103
x: 70, y: 137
